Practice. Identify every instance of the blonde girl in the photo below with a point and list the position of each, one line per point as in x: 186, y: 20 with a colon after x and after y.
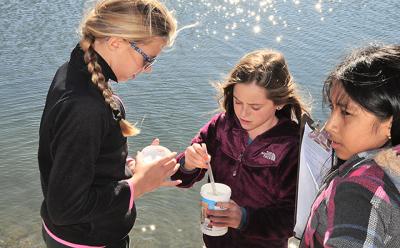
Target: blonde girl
x: 88, y: 188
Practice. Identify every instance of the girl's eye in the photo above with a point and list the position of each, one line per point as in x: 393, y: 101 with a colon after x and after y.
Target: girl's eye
x: 344, y: 112
x: 236, y: 102
x: 255, y: 108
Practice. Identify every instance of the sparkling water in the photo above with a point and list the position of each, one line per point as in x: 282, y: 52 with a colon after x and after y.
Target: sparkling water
x: 175, y: 100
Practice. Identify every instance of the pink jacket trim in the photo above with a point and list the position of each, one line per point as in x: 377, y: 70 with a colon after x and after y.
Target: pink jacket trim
x: 132, y: 194
x: 66, y: 243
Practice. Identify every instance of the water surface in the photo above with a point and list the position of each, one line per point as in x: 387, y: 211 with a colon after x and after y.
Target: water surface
x: 175, y: 100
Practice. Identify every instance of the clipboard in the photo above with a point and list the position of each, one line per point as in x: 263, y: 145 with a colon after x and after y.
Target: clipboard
x: 315, y: 160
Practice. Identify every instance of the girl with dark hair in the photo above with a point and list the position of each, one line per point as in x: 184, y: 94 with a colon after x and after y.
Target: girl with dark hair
x: 253, y: 146
x: 359, y: 203
x: 88, y: 189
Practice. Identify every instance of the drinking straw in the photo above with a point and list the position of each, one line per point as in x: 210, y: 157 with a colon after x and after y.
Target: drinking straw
x: 209, y: 171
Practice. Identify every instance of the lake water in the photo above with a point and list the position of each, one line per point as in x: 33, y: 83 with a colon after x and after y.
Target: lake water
x: 175, y: 100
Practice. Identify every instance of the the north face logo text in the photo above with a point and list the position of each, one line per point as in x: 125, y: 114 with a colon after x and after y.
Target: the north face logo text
x: 269, y: 155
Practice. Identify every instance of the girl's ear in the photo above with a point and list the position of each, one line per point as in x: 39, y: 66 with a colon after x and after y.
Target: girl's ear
x: 387, y: 126
x: 114, y: 43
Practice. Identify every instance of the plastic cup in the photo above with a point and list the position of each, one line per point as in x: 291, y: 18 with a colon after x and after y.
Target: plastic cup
x: 154, y: 152
x: 208, y: 201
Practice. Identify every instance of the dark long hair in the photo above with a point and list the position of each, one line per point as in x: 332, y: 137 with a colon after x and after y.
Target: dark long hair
x: 370, y: 76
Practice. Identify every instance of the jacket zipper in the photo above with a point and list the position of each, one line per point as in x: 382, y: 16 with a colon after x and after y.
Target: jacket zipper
x: 237, y: 167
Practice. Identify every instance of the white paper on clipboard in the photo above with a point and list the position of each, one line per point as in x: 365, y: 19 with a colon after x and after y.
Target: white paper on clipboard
x: 315, y: 161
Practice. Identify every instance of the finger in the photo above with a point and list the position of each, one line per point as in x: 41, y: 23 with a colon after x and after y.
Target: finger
x: 131, y: 162
x: 226, y: 205
x: 194, y: 159
x: 219, y: 221
x: 204, y: 146
x: 197, y: 163
x: 192, y: 150
x: 199, y: 156
x: 230, y: 221
x: 169, y: 165
x: 196, y: 146
x: 192, y: 153
x: 220, y: 224
x: 132, y: 165
x: 139, y: 157
x: 155, y: 142
x: 218, y: 213
x: 174, y: 170
x: 171, y: 171
x: 168, y: 158
x: 171, y: 183
x: 199, y: 150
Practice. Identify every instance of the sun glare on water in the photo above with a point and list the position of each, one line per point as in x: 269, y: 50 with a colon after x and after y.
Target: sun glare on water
x: 259, y: 17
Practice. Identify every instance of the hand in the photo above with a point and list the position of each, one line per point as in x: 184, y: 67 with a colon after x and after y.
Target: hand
x: 148, y: 177
x: 231, y: 216
x: 132, y: 163
x: 196, y: 156
x: 155, y: 142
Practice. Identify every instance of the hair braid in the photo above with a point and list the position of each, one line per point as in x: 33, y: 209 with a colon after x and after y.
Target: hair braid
x: 98, y: 79
x: 132, y: 20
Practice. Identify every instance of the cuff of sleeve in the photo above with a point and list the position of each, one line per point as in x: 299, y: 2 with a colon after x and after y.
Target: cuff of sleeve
x: 132, y: 188
x: 128, y: 160
x: 243, y: 221
x: 183, y: 169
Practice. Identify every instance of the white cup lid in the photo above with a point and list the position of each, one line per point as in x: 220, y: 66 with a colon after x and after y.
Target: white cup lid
x: 154, y: 152
x: 223, y: 192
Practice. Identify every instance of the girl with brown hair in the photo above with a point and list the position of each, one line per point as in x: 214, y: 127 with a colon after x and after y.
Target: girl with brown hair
x: 253, y: 144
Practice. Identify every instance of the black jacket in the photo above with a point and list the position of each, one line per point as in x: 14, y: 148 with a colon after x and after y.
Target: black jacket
x: 82, y: 156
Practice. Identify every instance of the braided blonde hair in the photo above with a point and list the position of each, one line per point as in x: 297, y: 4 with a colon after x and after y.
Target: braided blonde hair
x: 132, y: 20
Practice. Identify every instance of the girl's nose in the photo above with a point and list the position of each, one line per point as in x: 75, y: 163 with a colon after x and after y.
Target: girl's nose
x: 245, y: 111
x: 331, y: 124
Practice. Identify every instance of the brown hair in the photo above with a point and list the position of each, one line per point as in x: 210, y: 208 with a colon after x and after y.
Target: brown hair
x: 268, y: 69
x: 133, y: 20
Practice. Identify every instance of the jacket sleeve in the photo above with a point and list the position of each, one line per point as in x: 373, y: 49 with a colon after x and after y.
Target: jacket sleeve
x: 207, y: 135
x: 277, y: 221
x: 78, y: 129
x: 357, y: 217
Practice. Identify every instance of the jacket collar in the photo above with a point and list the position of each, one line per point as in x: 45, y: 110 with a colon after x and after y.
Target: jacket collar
x: 234, y: 141
x: 284, y: 127
x: 77, y: 60
x: 387, y: 157
x: 389, y: 160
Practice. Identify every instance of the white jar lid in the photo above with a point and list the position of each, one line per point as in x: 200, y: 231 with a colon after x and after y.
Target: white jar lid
x: 154, y: 152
